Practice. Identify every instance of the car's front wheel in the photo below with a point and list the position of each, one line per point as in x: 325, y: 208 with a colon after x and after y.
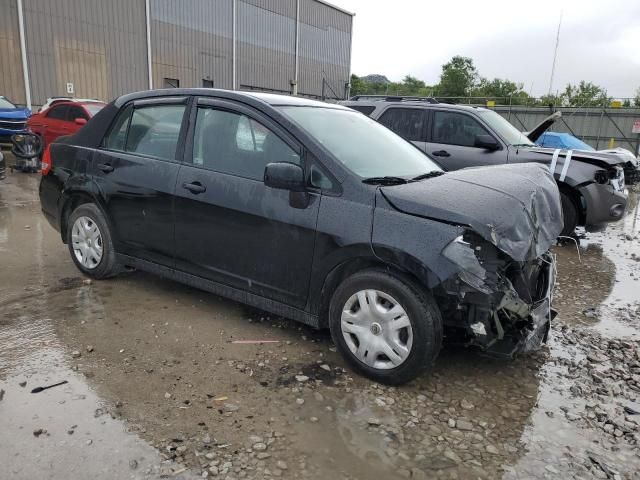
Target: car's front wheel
x: 89, y: 241
x: 385, y: 327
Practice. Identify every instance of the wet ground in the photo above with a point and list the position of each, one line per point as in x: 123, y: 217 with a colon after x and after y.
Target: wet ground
x: 157, y: 388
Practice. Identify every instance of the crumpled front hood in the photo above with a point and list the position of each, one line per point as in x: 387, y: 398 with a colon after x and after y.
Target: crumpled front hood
x: 515, y: 207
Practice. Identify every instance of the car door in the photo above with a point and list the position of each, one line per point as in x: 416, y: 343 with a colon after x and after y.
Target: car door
x: 135, y: 171
x: 452, y: 139
x: 230, y: 227
x: 410, y: 123
x: 54, y: 121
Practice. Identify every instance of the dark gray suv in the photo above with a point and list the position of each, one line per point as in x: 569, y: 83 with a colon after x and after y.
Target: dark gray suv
x: 592, y: 185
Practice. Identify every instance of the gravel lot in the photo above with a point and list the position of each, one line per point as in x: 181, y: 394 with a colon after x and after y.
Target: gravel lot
x: 157, y: 388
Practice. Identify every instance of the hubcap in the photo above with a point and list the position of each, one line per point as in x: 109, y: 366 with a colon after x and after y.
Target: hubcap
x: 376, y: 329
x: 87, y: 242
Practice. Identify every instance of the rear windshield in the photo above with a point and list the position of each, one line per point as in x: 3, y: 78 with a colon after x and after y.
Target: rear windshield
x: 93, y: 108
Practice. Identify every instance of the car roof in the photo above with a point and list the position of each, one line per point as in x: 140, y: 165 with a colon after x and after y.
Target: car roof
x: 271, y: 99
x: 75, y: 103
x: 413, y: 103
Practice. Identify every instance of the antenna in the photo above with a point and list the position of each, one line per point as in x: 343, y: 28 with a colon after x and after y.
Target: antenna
x: 555, y: 55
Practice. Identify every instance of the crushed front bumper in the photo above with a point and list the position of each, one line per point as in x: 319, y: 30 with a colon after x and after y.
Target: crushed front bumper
x: 503, y: 307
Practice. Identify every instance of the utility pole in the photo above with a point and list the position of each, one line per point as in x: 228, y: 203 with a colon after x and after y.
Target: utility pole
x: 555, y: 55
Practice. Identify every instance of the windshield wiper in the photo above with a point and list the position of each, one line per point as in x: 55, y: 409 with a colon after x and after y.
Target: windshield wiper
x: 431, y: 174
x: 523, y: 145
x: 385, y: 180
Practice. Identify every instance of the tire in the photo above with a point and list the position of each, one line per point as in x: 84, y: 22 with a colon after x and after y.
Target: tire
x: 413, y: 349
x: 90, y: 216
x: 569, y: 213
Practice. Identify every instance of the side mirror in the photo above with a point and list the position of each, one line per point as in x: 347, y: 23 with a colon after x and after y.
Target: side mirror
x: 285, y: 176
x: 487, y: 142
x: 80, y: 121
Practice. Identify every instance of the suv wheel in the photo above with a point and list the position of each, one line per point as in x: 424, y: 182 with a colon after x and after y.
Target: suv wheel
x: 385, y: 328
x: 89, y: 242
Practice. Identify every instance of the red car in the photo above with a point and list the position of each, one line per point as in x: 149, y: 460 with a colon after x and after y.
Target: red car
x: 63, y: 118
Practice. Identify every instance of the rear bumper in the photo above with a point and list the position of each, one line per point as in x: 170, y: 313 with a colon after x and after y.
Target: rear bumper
x: 603, y: 204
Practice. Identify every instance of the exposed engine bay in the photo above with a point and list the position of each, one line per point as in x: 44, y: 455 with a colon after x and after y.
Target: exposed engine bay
x: 498, y: 304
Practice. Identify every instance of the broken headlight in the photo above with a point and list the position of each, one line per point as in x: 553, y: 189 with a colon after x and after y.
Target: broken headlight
x: 471, y: 272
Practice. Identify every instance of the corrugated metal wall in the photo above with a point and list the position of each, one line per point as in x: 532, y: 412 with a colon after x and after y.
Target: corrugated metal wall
x: 266, y: 44
x: 192, y: 41
x: 325, y: 50
x: 99, y: 46
x: 11, y: 82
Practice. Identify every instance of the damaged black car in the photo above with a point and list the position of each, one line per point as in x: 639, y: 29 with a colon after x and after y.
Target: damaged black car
x: 312, y: 212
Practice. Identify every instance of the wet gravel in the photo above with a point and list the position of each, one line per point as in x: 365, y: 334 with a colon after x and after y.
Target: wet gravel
x: 157, y: 388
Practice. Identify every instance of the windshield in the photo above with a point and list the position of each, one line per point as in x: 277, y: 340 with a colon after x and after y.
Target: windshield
x: 362, y: 145
x: 93, y: 108
x: 506, y: 130
x: 4, y: 103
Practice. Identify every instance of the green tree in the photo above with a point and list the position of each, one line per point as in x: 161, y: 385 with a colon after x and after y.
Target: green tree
x: 502, y: 91
x: 458, y: 77
x: 357, y: 85
x: 585, y: 94
x: 636, y: 101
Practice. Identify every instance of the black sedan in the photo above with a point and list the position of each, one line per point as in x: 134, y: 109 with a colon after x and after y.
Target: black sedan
x: 313, y: 212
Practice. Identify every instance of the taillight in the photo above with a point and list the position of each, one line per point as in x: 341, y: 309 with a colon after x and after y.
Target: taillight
x: 46, y: 161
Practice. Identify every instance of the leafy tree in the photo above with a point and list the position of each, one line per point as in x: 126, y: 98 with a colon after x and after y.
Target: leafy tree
x: 636, y: 101
x: 357, y: 85
x: 585, y: 94
x: 458, y: 77
x: 501, y: 91
x: 496, y: 88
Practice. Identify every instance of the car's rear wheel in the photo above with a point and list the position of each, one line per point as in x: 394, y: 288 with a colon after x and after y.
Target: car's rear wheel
x: 89, y: 241
x: 385, y: 327
x: 569, y: 213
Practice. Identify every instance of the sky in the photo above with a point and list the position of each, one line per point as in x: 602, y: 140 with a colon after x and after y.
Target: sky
x: 599, y: 40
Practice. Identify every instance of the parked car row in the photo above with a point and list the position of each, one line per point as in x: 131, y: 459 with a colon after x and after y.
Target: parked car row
x: 314, y: 212
x: 592, y: 184
x: 58, y: 116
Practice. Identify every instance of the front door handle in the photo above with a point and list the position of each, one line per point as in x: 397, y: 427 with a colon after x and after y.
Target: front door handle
x: 441, y: 153
x: 195, y: 187
x: 105, y: 167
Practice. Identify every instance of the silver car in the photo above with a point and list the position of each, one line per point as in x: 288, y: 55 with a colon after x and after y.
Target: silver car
x: 592, y: 184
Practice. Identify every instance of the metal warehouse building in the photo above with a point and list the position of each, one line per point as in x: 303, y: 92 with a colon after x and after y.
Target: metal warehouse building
x: 105, y: 48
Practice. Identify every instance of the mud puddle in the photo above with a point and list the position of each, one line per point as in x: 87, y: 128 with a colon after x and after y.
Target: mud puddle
x: 165, y: 370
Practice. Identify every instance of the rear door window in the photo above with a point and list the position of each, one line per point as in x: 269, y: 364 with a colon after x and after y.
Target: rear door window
x: 409, y: 123
x: 76, y: 112
x: 453, y: 128
x: 117, y: 136
x: 154, y: 131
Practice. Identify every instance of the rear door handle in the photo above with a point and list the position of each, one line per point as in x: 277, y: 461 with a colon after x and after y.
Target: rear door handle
x: 441, y: 153
x: 105, y: 167
x: 195, y: 187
